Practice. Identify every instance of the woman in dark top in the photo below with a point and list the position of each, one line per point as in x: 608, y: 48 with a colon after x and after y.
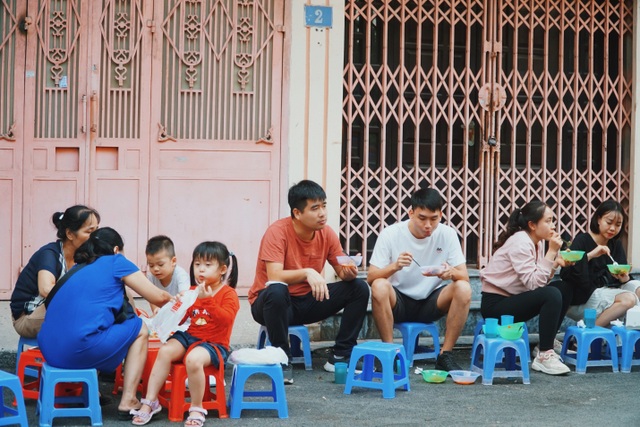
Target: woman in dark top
x: 611, y: 295
x: 47, y: 265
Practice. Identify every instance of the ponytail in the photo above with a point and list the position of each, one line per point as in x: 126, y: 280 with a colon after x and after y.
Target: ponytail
x: 519, y: 220
x: 72, y: 219
x: 101, y: 242
x: 231, y: 277
x: 216, y: 251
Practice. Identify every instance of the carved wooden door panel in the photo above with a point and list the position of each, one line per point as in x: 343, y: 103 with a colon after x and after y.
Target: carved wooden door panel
x: 12, y: 48
x: 216, y: 102
x: 54, y: 131
x: 118, y: 118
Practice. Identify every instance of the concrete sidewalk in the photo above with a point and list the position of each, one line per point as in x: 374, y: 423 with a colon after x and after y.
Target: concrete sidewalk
x: 599, y: 397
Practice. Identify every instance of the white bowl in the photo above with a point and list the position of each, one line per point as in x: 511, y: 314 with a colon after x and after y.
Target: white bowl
x: 346, y: 261
x: 431, y: 270
x: 464, y: 377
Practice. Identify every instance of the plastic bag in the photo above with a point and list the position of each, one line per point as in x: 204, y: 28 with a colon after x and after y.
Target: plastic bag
x: 265, y: 356
x: 168, y: 318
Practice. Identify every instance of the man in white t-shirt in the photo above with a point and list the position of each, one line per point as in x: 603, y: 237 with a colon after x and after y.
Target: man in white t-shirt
x: 402, y: 291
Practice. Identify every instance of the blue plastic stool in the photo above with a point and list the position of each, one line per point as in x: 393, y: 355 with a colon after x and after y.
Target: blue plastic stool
x: 492, y: 350
x: 237, y: 393
x: 630, y: 344
x: 90, y: 396
x: 22, y: 342
x: 411, y: 334
x: 508, y: 356
x: 387, y: 354
x: 588, y: 341
x: 300, y: 344
x: 8, y: 414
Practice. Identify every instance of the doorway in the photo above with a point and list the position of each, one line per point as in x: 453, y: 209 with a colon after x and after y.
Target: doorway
x: 494, y: 103
x: 164, y: 116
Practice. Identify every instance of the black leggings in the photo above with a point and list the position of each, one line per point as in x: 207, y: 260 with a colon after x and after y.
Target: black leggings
x: 550, y: 303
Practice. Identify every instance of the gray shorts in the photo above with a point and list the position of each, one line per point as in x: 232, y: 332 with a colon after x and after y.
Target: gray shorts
x: 411, y: 310
x: 602, y: 298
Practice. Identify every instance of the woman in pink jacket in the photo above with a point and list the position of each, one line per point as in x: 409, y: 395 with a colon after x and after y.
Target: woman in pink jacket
x: 516, y: 279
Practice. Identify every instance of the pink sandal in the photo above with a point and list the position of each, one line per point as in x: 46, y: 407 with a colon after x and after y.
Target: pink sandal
x: 196, y: 420
x: 141, y: 417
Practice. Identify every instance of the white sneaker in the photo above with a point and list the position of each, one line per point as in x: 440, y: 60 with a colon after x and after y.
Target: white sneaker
x: 549, y: 363
x: 557, y: 347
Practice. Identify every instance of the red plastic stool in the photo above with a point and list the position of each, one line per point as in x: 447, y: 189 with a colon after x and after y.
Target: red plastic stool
x: 33, y: 359
x: 174, y: 396
x: 152, y: 353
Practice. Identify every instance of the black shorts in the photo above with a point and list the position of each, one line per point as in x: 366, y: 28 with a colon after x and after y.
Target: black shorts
x: 421, y: 310
x: 187, y: 340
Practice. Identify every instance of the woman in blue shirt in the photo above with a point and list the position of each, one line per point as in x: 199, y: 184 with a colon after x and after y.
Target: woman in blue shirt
x: 86, y: 308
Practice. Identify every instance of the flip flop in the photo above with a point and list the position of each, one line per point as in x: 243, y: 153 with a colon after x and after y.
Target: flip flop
x: 105, y: 400
x: 126, y: 415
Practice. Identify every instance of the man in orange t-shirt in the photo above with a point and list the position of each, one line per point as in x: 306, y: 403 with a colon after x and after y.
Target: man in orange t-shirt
x: 289, y: 288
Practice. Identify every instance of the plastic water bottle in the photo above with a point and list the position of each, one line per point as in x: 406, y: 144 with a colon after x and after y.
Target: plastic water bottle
x: 166, y: 321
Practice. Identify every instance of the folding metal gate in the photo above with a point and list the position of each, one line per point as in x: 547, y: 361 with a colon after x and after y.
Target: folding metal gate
x: 493, y: 102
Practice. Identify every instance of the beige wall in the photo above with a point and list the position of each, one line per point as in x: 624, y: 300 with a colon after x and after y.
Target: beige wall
x: 314, y: 133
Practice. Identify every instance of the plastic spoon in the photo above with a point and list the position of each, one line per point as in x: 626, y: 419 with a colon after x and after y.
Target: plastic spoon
x: 613, y: 260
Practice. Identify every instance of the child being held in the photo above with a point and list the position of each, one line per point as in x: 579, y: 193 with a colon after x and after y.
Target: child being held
x: 163, y: 271
x: 215, y: 271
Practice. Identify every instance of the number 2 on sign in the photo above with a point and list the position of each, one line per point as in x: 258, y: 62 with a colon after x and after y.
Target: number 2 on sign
x: 318, y: 14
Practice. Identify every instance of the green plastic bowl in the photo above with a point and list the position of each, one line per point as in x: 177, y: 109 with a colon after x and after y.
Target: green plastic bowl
x: 572, y: 256
x: 511, y: 332
x: 619, y: 268
x: 434, y: 375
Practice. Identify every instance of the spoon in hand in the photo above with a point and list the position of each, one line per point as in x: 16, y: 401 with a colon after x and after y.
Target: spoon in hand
x: 613, y: 260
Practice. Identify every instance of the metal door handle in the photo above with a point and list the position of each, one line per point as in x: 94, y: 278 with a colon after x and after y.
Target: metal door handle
x: 94, y: 112
x: 267, y: 139
x: 83, y: 127
x: 9, y: 135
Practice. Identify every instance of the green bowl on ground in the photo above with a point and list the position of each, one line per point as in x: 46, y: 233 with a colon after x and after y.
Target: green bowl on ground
x: 572, y: 256
x: 618, y: 268
x: 511, y: 332
x: 434, y: 375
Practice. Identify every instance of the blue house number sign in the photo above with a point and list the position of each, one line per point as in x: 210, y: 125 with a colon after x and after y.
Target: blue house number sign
x: 318, y: 16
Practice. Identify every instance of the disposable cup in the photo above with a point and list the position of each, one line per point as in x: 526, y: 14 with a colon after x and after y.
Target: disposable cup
x: 491, y: 327
x: 590, y: 317
x: 506, y: 319
x: 340, y: 373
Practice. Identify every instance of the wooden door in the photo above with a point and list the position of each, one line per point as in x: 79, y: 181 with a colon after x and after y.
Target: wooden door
x: 119, y: 107
x: 12, y: 48
x: 164, y: 116
x: 54, y: 133
x: 216, y: 104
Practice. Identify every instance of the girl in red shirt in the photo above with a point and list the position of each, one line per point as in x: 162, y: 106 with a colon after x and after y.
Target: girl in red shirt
x: 215, y: 271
